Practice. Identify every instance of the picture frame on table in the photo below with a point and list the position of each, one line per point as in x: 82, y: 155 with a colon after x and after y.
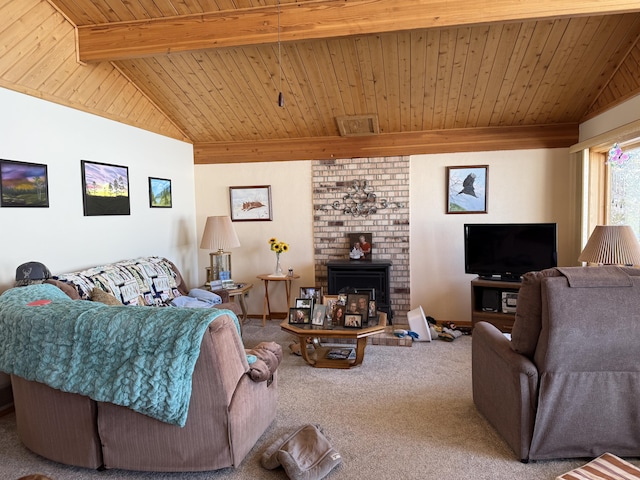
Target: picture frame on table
x: 312, y: 292
x: 337, y: 316
x: 342, y: 299
x: 160, y: 193
x: 105, y: 189
x: 373, y: 309
x: 353, y: 320
x: 326, y: 299
x: 300, y: 316
x: 329, y: 302
x: 358, y: 303
x: 467, y: 189
x: 370, y: 291
x: 250, y: 203
x: 304, y: 303
x: 319, y: 314
x: 23, y: 184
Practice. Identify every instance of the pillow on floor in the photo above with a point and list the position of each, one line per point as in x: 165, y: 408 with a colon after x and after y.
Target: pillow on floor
x: 305, y: 454
x: 101, y: 296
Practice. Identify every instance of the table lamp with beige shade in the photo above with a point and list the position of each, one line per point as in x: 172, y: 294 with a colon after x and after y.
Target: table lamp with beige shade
x: 219, y: 235
x: 612, y: 245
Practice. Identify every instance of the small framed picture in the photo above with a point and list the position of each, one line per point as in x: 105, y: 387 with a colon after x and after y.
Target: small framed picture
x: 250, y: 204
x: 360, y: 246
x: 304, y: 302
x: 319, y: 313
x: 23, y: 184
x: 329, y: 298
x: 370, y: 291
x: 300, y: 316
x: 358, y: 303
x: 373, y: 310
x: 353, y: 320
x: 467, y: 189
x: 159, y: 192
x: 312, y: 292
x: 338, y: 315
x: 105, y: 189
x: 329, y: 301
x: 342, y: 299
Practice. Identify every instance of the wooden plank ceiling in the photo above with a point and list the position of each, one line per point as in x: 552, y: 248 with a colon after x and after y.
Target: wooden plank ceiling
x: 436, y: 75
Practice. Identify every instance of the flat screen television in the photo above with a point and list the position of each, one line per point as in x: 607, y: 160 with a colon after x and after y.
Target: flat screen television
x: 507, y: 251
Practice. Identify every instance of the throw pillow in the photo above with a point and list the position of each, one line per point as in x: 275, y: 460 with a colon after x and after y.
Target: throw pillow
x: 70, y: 290
x: 101, y: 296
x: 528, y: 322
x: 305, y: 454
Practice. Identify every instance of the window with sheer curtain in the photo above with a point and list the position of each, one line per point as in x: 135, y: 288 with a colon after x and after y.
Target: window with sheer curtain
x: 623, y: 187
x: 611, y: 179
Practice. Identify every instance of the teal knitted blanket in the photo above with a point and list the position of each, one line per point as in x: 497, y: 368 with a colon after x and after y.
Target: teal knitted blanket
x: 139, y: 357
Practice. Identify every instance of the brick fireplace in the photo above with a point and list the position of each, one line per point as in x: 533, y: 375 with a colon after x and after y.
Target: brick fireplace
x: 388, y: 179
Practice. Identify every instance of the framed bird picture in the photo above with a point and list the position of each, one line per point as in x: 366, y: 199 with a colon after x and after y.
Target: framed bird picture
x: 467, y: 189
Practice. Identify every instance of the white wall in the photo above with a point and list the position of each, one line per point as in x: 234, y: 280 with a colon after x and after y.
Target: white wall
x: 523, y: 186
x: 622, y: 114
x: 61, y: 237
x: 291, y: 198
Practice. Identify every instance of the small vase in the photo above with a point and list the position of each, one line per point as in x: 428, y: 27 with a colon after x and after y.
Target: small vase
x: 278, y: 271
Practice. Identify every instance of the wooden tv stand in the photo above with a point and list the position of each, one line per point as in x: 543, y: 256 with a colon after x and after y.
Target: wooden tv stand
x: 479, y: 289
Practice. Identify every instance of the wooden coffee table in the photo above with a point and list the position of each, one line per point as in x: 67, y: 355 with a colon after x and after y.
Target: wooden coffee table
x: 317, y: 358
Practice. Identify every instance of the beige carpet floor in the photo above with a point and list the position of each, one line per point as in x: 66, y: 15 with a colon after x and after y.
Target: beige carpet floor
x: 406, y: 413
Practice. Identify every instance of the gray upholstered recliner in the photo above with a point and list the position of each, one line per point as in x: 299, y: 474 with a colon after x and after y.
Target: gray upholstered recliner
x: 567, y: 384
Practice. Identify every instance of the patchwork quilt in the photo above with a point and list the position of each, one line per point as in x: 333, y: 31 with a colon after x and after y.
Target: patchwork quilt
x: 148, y: 281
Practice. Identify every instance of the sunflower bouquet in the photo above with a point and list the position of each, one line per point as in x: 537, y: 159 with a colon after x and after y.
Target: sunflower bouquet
x: 278, y: 247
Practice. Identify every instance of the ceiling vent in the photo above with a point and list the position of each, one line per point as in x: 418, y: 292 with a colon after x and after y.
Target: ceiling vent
x: 358, y: 125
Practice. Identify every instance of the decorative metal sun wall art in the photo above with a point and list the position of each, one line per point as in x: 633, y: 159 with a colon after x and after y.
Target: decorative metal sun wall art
x: 360, y: 200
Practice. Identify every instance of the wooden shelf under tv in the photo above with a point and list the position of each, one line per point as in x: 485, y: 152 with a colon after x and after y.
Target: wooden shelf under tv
x: 480, y: 286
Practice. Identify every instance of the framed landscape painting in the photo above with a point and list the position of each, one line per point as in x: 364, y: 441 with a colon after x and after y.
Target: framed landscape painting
x: 159, y: 192
x: 467, y: 189
x: 105, y: 189
x: 23, y: 184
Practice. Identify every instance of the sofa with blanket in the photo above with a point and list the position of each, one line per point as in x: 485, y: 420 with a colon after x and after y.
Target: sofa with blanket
x: 567, y: 383
x: 133, y: 387
x: 150, y: 281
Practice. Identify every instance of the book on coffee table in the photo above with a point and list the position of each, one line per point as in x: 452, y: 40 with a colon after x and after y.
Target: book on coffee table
x: 341, y: 354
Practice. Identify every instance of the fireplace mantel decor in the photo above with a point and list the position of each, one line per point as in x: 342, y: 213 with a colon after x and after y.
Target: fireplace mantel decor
x: 360, y: 200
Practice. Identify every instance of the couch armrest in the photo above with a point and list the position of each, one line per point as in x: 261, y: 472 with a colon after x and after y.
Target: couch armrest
x: 505, y: 387
x: 269, y: 356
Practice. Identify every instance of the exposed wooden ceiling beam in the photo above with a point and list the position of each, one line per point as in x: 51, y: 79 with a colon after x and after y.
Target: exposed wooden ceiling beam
x: 391, y: 144
x: 318, y: 19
